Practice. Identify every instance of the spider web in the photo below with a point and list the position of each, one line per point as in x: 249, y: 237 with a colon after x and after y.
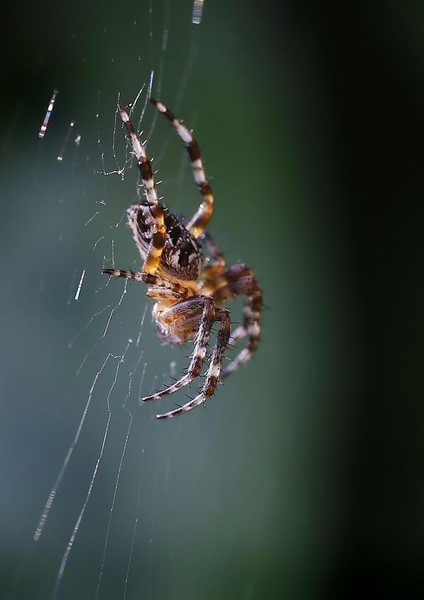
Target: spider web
x: 102, y: 501
x: 300, y: 477
x: 120, y: 379
x: 106, y: 351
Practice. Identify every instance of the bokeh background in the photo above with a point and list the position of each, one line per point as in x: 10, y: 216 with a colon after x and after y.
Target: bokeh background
x: 303, y: 478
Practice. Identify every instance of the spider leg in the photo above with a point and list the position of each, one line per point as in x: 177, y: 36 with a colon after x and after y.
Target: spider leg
x: 216, y: 262
x: 180, y: 322
x: 201, y: 218
x: 236, y: 280
x: 172, y: 291
x: 156, y: 214
x: 214, y: 370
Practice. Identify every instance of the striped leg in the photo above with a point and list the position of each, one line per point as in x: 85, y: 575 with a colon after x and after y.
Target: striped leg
x: 153, y: 253
x: 179, y: 315
x: 213, y: 373
x: 161, y: 288
x: 184, y: 320
x: 201, y: 218
x: 217, y: 261
x: 239, y: 279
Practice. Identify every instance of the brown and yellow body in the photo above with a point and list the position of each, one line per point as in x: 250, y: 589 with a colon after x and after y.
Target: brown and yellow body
x: 187, y: 277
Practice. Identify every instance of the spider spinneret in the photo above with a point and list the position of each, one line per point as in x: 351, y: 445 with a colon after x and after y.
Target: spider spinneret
x: 189, y: 292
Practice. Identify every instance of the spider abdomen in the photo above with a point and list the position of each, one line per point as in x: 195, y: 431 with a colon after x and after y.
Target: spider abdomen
x: 182, y: 255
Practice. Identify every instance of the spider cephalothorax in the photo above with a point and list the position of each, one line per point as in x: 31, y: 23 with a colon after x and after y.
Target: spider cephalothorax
x: 189, y: 292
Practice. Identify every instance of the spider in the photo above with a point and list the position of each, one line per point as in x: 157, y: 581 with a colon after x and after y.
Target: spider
x: 189, y: 288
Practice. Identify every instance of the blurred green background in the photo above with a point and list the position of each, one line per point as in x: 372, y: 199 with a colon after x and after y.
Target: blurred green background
x: 302, y: 479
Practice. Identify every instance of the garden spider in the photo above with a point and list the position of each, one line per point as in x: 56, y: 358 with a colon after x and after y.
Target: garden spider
x: 189, y: 290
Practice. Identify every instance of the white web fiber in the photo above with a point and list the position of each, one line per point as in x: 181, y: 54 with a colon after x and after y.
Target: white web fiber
x: 100, y: 500
x: 107, y: 350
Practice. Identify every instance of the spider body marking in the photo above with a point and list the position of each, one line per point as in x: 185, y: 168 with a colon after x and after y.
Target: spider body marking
x: 189, y: 291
